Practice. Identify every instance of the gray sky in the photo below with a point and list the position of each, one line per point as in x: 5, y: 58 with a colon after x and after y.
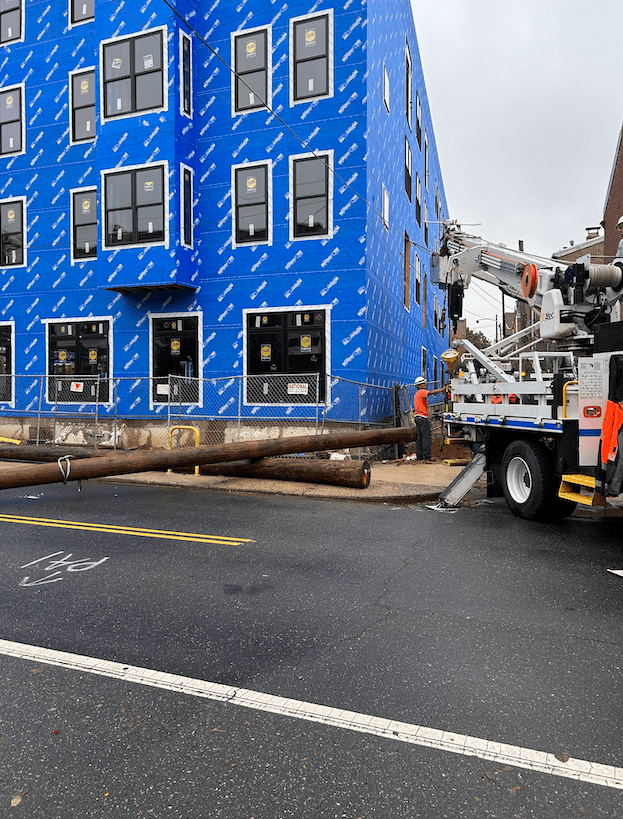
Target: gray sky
x: 527, y: 105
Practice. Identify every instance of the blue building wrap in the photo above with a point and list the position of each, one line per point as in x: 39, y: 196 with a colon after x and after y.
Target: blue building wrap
x: 213, y: 189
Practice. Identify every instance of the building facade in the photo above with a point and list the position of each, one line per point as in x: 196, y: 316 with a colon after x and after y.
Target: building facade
x: 215, y: 189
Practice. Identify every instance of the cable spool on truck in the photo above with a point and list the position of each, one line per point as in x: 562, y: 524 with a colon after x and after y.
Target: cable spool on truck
x: 535, y: 406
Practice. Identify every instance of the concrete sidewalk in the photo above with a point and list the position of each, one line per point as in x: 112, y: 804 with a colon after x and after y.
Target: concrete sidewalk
x: 391, y: 482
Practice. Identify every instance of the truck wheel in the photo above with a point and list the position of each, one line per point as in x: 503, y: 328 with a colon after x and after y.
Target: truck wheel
x: 529, y: 483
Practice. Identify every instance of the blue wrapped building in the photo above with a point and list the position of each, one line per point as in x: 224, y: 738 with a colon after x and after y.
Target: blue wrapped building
x: 205, y: 189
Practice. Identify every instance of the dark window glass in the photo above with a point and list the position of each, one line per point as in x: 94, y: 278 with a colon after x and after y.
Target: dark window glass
x: 83, y: 106
x: 175, y: 356
x: 10, y: 20
x: 311, y: 58
x: 12, y: 234
x: 251, y: 205
x: 311, y: 197
x: 85, y: 224
x: 11, y: 121
x: 251, y: 70
x: 135, y: 206
x: 78, y: 355
x: 187, y: 225
x: 133, y: 79
x: 186, y: 76
x: 82, y: 10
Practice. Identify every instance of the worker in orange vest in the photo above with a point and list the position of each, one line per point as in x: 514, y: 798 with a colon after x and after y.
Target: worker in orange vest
x: 423, y: 442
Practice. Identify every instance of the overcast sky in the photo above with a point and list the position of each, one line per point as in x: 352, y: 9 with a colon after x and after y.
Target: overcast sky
x: 527, y: 105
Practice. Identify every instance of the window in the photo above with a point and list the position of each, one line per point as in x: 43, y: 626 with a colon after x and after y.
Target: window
x: 83, y: 106
x: 251, y: 211
x: 82, y: 11
x: 134, y: 206
x: 408, y: 168
x: 418, y: 277
x: 311, y: 195
x: 10, y: 21
x: 12, y: 233
x: 286, y: 355
x: 435, y: 370
x: 418, y: 119
x: 187, y: 206
x: 251, y: 50
x: 133, y: 74
x: 84, y: 223
x: 78, y: 361
x: 418, y: 200
x: 424, y: 294
x: 426, y: 160
x: 385, y: 208
x: 435, y: 314
x: 407, y: 272
x: 408, y: 85
x: 425, y: 224
x: 176, y: 365
x: 186, y: 75
x: 424, y: 364
x: 11, y: 121
x: 386, y: 87
x: 6, y: 362
x: 312, y: 57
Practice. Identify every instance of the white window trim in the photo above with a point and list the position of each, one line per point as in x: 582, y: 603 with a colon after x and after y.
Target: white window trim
x: 72, y: 191
x: 23, y: 200
x: 289, y: 308
x: 409, y: 167
x: 330, y: 57
x: 385, y: 208
x: 386, y: 87
x: 73, y: 74
x: 418, y: 281
x: 329, y: 233
x: 426, y: 159
x: 409, y: 90
x: 269, y: 70
x: 183, y: 168
x: 165, y: 75
x: 20, y: 39
x: 22, y: 87
x: 79, y: 376
x: 165, y: 195
x: 153, y: 405
x: 183, y: 36
x: 70, y: 24
x: 269, y: 190
x: 10, y: 403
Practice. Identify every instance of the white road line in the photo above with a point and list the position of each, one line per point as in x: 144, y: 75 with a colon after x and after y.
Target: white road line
x: 498, y: 752
x: 617, y: 571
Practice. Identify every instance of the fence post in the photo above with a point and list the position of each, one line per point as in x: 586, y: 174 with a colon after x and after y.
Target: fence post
x: 40, y: 405
x: 240, y: 377
x: 56, y: 383
x: 317, y: 400
x: 115, y: 385
x: 97, y: 408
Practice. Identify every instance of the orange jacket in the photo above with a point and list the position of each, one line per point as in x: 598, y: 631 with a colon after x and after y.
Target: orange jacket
x: 420, y: 403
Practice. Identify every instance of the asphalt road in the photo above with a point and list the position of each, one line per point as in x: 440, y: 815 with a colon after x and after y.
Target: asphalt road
x: 471, y: 622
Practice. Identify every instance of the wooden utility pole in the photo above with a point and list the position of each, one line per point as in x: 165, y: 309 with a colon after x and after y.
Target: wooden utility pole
x: 68, y: 469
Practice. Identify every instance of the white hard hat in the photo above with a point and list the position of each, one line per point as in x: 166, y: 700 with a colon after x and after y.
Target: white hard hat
x: 620, y: 222
x: 419, y: 380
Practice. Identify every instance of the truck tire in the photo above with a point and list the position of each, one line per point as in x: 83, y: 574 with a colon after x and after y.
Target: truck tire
x: 530, y: 485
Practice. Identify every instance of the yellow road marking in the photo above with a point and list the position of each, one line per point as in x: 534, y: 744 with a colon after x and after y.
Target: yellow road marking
x: 125, y: 530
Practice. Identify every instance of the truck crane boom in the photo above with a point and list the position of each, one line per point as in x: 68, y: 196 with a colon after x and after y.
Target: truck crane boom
x: 571, y: 298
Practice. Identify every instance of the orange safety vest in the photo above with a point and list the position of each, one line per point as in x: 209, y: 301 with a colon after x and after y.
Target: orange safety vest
x: 420, y: 403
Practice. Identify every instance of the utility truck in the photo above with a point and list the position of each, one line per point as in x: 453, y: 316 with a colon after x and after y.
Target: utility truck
x: 534, y: 407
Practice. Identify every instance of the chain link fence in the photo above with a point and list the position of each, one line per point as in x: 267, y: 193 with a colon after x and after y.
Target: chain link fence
x: 164, y: 412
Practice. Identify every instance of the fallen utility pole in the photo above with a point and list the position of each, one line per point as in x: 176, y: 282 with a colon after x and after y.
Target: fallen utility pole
x: 355, y: 474
x: 67, y: 469
x: 30, y: 452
